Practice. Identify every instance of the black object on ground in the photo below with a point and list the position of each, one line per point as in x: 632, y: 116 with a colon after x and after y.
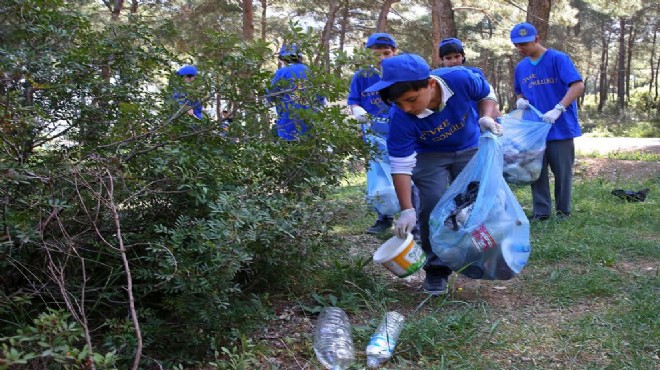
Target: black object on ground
x: 631, y: 196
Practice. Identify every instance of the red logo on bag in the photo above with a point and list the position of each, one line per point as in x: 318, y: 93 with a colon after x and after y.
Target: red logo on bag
x: 482, y: 239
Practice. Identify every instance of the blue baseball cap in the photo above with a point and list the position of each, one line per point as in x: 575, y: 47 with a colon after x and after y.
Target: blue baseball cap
x: 400, y: 68
x: 451, y: 45
x: 380, y: 38
x: 523, y: 32
x: 187, y: 70
x: 287, y: 50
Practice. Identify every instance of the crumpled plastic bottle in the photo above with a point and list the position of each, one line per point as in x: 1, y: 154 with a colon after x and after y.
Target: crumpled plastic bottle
x: 333, y: 343
x: 382, y: 343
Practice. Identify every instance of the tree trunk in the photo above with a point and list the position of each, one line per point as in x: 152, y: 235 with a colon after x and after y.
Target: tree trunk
x: 442, y: 16
x: 657, y: 71
x: 538, y: 14
x: 248, y: 21
x: 602, y: 83
x: 264, y: 7
x: 621, y: 66
x: 134, y: 6
x: 631, y: 41
x: 654, y: 68
x: 344, y: 25
x: 381, y: 24
x: 327, y: 33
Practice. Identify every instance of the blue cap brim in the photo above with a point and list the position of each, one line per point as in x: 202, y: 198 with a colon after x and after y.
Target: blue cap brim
x: 520, y: 40
x: 379, y: 86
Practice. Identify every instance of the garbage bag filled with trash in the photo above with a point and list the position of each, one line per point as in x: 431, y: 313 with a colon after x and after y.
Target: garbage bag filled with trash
x: 478, y: 228
x: 523, y: 144
x: 380, y: 186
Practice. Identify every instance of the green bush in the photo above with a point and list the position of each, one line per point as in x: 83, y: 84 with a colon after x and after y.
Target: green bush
x: 104, y: 183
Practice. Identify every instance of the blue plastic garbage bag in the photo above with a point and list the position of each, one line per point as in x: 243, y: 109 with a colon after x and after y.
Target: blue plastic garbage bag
x: 486, y: 236
x: 523, y: 143
x: 380, y: 186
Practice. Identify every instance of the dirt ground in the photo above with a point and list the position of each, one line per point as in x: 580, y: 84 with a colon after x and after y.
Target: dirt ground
x: 614, y: 170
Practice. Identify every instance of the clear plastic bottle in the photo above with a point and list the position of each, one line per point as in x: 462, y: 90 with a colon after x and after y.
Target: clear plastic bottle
x: 333, y: 343
x: 382, y: 343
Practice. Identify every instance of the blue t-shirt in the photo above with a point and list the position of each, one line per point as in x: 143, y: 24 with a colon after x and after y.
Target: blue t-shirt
x: 455, y: 127
x: 182, y: 99
x: 544, y: 84
x: 371, y: 102
x: 289, y: 125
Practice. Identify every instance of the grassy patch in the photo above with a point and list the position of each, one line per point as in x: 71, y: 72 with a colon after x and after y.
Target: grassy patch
x: 624, y: 155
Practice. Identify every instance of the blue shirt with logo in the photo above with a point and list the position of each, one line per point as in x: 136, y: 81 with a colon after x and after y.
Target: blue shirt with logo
x: 454, y: 127
x: 182, y: 99
x: 544, y: 83
x: 371, y: 102
x: 291, y: 77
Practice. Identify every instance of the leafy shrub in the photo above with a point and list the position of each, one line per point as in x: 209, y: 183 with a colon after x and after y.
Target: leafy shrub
x: 148, y: 226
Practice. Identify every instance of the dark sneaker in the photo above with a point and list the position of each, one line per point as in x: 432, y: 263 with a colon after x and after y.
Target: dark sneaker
x: 380, y: 226
x: 435, y: 284
x: 563, y: 215
x: 539, y: 218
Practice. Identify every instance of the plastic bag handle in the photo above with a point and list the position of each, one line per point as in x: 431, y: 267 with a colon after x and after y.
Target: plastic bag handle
x: 533, y: 108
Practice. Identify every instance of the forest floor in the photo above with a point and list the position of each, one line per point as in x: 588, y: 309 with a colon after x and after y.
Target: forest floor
x: 588, y: 297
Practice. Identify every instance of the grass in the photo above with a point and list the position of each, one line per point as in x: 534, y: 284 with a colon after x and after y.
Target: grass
x: 587, y: 299
x: 623, y: 155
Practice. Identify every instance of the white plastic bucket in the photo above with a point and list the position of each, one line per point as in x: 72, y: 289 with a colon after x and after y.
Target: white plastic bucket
x: 403, y: 257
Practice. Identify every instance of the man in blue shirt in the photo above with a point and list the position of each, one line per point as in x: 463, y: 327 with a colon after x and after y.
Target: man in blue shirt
x: 288, y: 93
x: 434, y: 132
x: 369, y: 109
x: 188, y: 73
x: 548, y: 80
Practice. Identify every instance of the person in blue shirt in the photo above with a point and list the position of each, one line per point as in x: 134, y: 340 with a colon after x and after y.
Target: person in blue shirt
x: 548, y: 80
x: 287, y: 91
x: 434, y: 132
x: 188, y: 73
x: 369, y: 109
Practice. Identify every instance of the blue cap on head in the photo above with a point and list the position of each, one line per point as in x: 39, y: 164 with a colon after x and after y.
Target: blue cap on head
x: 288, y: 50
x: 450, y: 41
x: 451, y: 45
x: 400, y: 68
x: 380, y: 38
x: 523, y: 32
x: 187, y: 70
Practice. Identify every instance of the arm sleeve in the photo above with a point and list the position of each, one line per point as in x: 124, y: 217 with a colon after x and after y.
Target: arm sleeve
x: 355, y: 92
x: 479, y: 88
x: 403, y: 165
x: 568, y: 73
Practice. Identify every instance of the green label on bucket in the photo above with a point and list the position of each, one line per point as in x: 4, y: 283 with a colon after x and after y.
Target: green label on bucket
x: 419, y: 257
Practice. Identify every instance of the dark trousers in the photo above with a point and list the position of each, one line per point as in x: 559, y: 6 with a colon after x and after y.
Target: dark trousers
x: 559, y: 156
x: 432, y: 175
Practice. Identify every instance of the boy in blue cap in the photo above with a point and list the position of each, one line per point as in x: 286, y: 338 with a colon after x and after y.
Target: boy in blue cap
x: 287, y: 86
x: 434, y: 132
x: 548, y: 80
x: 452, y: 54
x: 369, y: 109
x: 188, y: 73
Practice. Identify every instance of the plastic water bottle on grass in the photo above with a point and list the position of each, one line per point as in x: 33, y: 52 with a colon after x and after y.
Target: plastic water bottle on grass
x: 382, y: 343
x: 333, y: 343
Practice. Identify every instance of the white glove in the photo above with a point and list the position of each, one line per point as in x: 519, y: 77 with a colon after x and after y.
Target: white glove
x: 360, y: 114
x: 487, y: 123
x: 522, y: 103
x: 405, y: 223
x: 552, y: 115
